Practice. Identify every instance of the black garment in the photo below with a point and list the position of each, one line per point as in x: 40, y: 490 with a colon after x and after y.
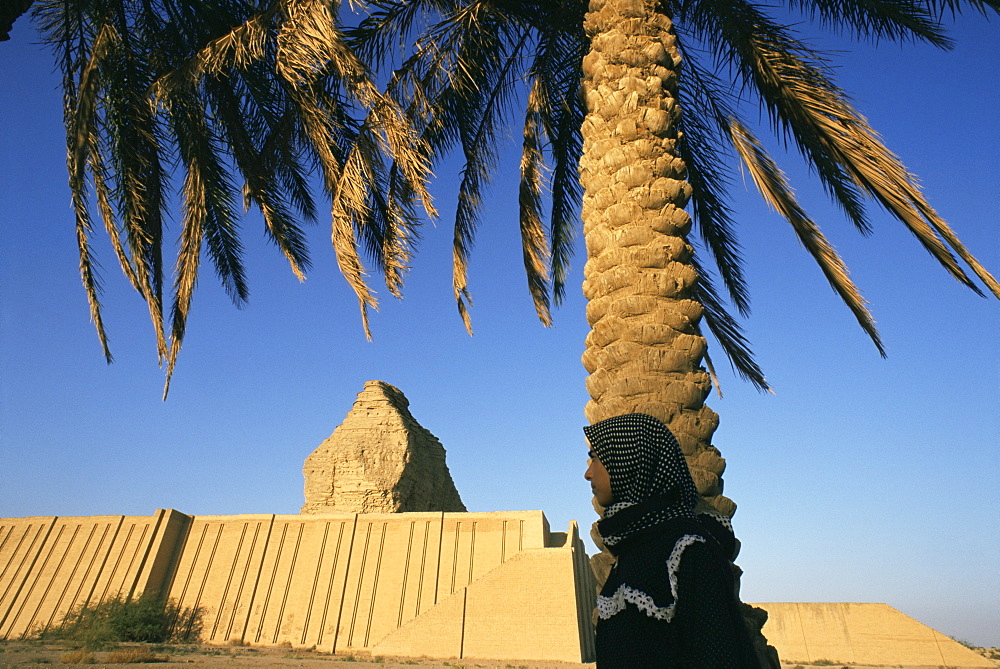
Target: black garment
x: 670, y: 600
x: 700, y: 628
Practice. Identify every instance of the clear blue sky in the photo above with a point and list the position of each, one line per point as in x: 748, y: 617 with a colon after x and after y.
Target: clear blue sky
x: 862, y: 479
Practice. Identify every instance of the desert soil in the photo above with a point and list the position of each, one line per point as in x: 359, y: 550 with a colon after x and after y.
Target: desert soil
x: 34, y: 653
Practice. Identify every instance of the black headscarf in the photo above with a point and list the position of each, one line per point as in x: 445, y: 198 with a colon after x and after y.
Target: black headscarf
x: 650, y: 481
x: 664, y: 553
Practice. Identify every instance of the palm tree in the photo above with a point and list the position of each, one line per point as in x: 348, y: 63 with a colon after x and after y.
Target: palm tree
x: 245, y: 101
x: 649, y: 138
x: 267, y: 91
x: 651, y: 129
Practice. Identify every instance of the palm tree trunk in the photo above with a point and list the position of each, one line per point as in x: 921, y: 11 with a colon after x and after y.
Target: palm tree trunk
x: 644, y: 351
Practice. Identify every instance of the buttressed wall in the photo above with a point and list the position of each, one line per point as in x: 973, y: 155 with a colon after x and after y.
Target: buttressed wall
x: 860, y: 633
x: 488, y: 585
x: 50, y: 565
x: 379, y: 460
x: 492, y: 585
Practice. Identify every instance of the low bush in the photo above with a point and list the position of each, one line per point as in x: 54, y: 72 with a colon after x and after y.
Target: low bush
x: 145, y: 619
x: 133, y: 656
x: 78, y: 657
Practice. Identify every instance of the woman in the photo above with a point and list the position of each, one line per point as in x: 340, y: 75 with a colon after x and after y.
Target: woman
x: 669, y: 600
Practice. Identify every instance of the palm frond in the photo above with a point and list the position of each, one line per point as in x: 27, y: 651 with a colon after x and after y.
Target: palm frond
x: 350, y: 201
x: 304, y: 41
x: 386, y: 126
x: 109, y: 68
x: 390, y: 26
x: 848, y: 140
x: 80, y: 110
x: 394, y: 225
x: 319, y: 124
x: 533, y: 240
x: 709, y: 175
x: 133, y: 146
x: 382, y: 215
x: 878, y: 19
x: 102, y: 190
x: 848, y: 155
x: 264, y: 93
x: 773, y: 186
x: 457, y: 86
x: 260, y: 188
x: 236, y: 49
x: 209, y: 203
x: 91, y: 280
x: 956, y: 6
x: 733, y: 41
x: 727, y: 332
x: 487, y: 69
x: 188, y: 260
x: 283, y: 154
x: 558, y: 68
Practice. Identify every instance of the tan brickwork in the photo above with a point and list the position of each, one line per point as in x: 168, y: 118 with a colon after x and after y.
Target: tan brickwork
x: 49, y: 565
x: 218, y: 571
x: 379, y: 460
x: 867, y: 634
x: 339, y: 582
x: 466, y: 585
x: 516, y: 610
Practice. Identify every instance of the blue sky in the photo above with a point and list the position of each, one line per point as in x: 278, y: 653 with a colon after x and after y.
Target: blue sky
x: 862, y: 479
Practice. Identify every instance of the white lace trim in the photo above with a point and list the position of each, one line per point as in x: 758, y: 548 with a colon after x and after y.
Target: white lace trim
x: 609, y: 606
x: 721, y: 518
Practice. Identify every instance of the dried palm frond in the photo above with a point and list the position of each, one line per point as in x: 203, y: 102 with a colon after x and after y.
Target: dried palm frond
x: 533, y: 240
x: 773, y: 186
x: 252, y: 97
x: 254, y: 94
x: 810, y: 109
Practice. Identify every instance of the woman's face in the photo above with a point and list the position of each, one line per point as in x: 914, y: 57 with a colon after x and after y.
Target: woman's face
x: 600, y: 482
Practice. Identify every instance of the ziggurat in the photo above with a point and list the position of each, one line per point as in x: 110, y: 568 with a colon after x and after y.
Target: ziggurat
x: 435, y: 584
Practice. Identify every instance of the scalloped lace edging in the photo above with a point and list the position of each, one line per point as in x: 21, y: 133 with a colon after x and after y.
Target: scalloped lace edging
x: 609, y: 606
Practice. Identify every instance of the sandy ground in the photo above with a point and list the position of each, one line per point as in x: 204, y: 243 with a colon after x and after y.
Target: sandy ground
x: 34, y: 653
x: 31, y: 653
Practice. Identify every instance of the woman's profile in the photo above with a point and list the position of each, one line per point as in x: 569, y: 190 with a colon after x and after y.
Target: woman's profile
x: 669, y: 600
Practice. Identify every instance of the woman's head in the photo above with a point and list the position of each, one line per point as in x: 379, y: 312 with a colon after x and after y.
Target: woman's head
x: 600, y: 481
x: 642, y: 460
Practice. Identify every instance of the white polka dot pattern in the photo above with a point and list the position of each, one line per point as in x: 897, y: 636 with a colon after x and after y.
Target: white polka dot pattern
x: 644, y: 463
x: 642, y: 457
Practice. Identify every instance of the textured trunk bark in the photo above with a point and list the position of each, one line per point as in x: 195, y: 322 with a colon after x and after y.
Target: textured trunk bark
x: 643, y: 352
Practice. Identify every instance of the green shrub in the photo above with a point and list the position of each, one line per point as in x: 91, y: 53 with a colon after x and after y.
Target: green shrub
x: 146, y: 619
x: 967, y: 644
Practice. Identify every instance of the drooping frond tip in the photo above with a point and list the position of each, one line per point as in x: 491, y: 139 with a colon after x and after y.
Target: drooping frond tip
x: 848, y: 155
x: 533, y: 240
x: 774, y: 188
